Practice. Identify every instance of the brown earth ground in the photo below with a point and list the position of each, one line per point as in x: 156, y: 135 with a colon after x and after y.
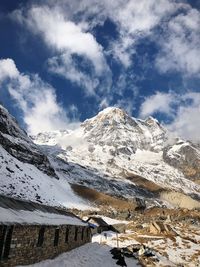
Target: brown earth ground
x: 101, y: 200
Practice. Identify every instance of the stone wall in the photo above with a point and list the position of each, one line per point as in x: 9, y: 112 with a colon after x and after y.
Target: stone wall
x: 24, y: 244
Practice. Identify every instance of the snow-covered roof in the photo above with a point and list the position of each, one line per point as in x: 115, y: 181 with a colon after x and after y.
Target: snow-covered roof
x: 14, y: 211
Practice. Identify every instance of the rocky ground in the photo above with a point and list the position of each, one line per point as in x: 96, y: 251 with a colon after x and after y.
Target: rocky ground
x: 160, y: 237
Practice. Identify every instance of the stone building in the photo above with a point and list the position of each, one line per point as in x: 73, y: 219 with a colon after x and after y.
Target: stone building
x: 30, y: 232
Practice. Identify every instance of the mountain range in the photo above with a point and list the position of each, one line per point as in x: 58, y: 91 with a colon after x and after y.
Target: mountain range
x: 111, y: 155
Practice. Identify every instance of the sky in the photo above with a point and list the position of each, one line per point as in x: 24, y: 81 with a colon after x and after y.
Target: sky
x: 63, y: 61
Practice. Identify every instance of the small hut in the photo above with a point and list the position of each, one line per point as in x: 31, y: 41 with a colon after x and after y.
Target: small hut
x: 100, y: 224
x: 30, y: 232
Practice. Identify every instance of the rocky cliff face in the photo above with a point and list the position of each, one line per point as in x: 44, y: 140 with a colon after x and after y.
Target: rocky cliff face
x: 16, y: 142
x: 184, y: 156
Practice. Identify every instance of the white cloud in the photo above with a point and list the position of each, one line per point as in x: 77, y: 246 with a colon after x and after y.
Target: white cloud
x: 67, y: 28
x: 64, y: 65
x: 104, y: 103
x: 123, y: 49
x: 187, y: 122
x: 67, y: 39
x: 7, y: 69
x: 136, y: 19
x: 183, y: 109
x: 126, y: 104
x: 180, y: 46
x: 65, y: 35
x: 68, y: 25
x: 35, y: 98
x: 133, y: 19
x: 179, y: 41
x: 159, y: 102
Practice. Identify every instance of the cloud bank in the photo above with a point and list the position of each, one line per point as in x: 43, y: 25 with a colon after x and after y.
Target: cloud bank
x: 184, y: 111
x: 180, y: 45
x: 36, y: 98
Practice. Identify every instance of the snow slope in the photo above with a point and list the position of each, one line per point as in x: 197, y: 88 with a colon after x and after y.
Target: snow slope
x: 25, y: 171
x: 16, y: 142
x: 25, y: 181
x: 89, y: 255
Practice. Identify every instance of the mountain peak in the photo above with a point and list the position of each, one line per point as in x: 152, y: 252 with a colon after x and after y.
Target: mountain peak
x: 112, y: 110
x: 109, y: 116
x: 112, y: 113
x: 114, y: 127
x: 150, y: 120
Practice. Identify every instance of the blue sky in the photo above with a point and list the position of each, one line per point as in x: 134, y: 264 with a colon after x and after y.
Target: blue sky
x: 63, y: 61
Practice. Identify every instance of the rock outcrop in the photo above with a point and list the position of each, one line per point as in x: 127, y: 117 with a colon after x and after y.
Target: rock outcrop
x: 184, y: 156
x: 16, y: 142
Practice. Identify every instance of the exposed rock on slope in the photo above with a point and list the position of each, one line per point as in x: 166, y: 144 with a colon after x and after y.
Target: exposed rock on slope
x: 16, y: 142
x: 184, y: 156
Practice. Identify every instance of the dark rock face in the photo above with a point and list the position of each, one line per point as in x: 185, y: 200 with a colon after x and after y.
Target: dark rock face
x: 184, y: 156
x: 16, y: 142
x: 9, y: 126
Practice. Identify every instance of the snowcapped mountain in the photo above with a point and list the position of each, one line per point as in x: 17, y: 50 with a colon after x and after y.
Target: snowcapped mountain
x: 119, y: 155
x: 111, y: 153
x: 113, y: 127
